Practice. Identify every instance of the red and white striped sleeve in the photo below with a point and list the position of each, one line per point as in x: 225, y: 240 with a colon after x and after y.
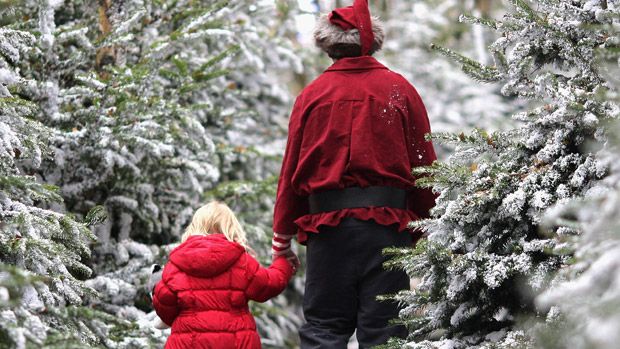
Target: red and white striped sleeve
x: 289, y: 205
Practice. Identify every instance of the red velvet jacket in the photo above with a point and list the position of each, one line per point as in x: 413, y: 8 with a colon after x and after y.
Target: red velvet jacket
x: 205, y: 289
x: 358, y: 124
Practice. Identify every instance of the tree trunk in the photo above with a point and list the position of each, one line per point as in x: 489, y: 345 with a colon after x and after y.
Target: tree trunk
x: 105, y: 55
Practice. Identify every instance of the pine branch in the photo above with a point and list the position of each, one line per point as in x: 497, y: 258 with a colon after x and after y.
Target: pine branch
x: 524, y: 8
x: 469, y: 66
x: 488, y: 22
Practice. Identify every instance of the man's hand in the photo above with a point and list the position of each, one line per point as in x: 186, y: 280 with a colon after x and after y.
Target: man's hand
x: 281, y: 247
x: 294, y: 260
x: 290, y: 256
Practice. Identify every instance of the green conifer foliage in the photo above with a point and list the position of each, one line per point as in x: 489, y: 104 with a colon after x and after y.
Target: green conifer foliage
x: 146, y: 108
x: 583, y: 299
x: 42, y: 249
x: 486, y: 256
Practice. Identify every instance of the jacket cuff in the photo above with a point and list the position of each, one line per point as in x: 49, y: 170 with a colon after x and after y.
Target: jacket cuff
x: 281, y: 244
x: 280, y: 251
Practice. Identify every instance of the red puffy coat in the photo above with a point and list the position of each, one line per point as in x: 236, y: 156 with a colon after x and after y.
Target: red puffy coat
x: 205, y: 289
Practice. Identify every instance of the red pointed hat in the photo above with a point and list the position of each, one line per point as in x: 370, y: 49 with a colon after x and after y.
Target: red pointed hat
x: 355, y: 17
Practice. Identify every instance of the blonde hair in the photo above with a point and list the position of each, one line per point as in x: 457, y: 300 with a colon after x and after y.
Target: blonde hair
x: 216, y: 218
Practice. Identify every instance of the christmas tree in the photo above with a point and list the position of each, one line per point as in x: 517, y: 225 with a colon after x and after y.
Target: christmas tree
x: 583, y: 298
x: 487, y: 255
x: 42, y: 249
x: 149, y: 109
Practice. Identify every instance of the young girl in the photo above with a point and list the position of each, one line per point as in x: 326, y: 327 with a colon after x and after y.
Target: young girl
x: 210, y: 277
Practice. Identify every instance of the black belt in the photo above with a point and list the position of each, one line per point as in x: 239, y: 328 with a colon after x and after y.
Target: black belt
x: 333, y: 200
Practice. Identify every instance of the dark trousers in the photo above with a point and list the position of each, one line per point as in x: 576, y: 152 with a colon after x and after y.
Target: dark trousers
x: 344, y: 275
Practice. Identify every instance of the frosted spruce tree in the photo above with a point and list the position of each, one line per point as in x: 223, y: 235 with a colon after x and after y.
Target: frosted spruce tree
x: 113, y: 140
x: 584, y: 297
x: 42, y: 249
x: 487, y: 255
x: 151, y: 106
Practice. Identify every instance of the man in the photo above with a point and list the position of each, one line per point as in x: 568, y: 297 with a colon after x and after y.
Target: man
x: 346, y: 187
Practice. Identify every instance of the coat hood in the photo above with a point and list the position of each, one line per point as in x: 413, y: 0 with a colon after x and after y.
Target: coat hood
x: 206, y: 255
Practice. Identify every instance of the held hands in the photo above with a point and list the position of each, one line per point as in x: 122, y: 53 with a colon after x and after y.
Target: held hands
x: 282, y: 247
x: 294, y: 260
x: 290, y: 256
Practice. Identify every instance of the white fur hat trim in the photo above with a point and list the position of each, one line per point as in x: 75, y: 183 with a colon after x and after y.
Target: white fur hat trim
x: 327, y: 34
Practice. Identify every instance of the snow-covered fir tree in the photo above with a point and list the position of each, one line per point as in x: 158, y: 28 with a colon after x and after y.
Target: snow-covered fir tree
x: 42, y: 249
x: 149, y: 106
x: 585, y: 296
x: 487, y: 255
